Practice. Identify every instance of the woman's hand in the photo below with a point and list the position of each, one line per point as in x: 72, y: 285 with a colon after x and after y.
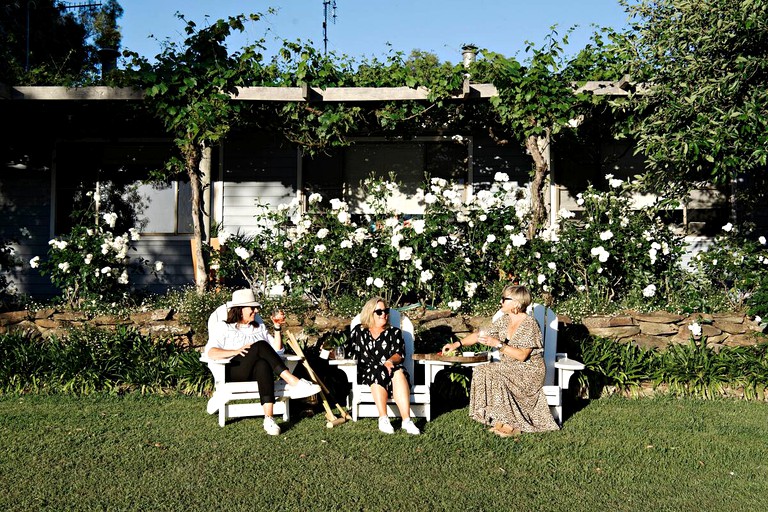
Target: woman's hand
x: 490, y: 341
x: 389, y: 365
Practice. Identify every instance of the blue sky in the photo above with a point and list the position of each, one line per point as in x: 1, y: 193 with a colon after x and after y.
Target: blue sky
x: 366, y: 28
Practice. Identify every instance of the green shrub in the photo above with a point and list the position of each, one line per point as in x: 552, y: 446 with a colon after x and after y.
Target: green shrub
x: 97, y: 361
x: 691, y: 369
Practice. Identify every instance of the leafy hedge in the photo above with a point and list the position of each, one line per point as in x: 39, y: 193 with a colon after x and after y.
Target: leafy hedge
x: 97, y: 361
x: 691, y: 369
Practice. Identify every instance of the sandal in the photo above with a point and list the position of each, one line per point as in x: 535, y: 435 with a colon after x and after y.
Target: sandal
x: 504, y: 430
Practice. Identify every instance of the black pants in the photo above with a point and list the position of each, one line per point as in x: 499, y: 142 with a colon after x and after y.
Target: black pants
x: 261, y: 363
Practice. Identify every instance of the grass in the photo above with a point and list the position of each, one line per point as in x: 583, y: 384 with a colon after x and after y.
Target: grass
x: 165, y: 453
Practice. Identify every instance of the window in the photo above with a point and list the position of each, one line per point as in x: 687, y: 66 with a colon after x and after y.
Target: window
x: 117, y: 172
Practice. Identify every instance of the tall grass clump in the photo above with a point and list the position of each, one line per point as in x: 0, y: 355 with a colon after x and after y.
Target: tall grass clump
x: 692, y: 369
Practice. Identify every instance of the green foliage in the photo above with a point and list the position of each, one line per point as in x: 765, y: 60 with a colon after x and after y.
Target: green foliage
x: 91, y: 263
x: 534, y: 98
x: 193, y: 308
x: 90, y: 361
x: 615, y: 250
x: 692, y: 369
x: 8, y: 260
x: 441, y: 258
x: 58, y: 51
x: 707, y: 63
x: 736, y: 264
x: 609, y: 363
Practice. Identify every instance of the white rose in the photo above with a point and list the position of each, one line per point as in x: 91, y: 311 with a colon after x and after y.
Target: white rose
x: 243, y: 253
x: 695, y: 329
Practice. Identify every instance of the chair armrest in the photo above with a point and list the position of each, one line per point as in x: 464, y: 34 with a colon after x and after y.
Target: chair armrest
x: 205, y: 359
x: 562, y: 362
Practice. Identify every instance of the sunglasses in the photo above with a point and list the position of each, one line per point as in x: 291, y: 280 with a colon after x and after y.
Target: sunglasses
x: 380, y: 312
x: 505, y: 299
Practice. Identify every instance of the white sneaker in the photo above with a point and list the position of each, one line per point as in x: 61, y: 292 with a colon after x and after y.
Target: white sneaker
x: 272, y: 428
x: 303, y: 389
x: 410, y: 427
x: 385, y: 426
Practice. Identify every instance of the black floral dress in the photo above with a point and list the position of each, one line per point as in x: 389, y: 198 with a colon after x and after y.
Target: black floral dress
x: 372, y: 353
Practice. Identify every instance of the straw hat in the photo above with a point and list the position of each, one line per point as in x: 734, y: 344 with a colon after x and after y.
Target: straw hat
x: 243, y: 298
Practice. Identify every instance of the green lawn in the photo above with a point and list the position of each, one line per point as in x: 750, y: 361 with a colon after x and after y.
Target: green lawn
x: 155, y: 453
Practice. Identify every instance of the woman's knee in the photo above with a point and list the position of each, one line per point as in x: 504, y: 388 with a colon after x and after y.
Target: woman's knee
x: 399, y: 380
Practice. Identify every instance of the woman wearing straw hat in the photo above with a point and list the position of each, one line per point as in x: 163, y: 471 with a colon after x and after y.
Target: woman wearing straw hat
x: 247, y: 342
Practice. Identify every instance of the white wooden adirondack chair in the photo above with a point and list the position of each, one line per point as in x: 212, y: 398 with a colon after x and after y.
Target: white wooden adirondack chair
x: 361, y: 399
x: 226, y: 393
x: 559, y: 367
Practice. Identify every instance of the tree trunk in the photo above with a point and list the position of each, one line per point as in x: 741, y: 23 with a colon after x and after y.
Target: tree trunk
x: 193, y: 157
x: 538, y: 210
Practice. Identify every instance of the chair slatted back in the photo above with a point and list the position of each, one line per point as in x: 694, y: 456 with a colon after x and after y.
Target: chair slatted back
x: 548, y: 323
x: 404, y: 324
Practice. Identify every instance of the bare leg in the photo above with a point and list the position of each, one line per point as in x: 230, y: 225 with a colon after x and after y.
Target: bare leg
x: 401, y: 392
x: 380, y: 399
x: 269, y: 407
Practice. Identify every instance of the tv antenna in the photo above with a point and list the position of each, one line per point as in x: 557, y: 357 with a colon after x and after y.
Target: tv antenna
x: 326, y: 5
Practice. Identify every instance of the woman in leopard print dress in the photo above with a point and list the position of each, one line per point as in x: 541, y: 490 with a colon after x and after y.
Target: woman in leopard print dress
x: 508, y: 394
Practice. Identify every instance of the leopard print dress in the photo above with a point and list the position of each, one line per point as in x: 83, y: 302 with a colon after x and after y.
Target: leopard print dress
x: 510, y: 391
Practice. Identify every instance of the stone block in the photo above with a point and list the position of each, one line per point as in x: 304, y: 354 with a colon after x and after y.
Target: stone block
x: 13, y: 317
x: 728, y: 317
x: 621, y: 321
x: 158, y: 315
x: 730, y: 327
x: 697, y: 317
x: 616, y: 333
x: 70, y: 316
x: 454, y: 324
x: 47, y: 323
x: 657, y: 329
x: 658, y: 317
x: 647, y: 342
x: 331, y: 323
x: 742, y: 340
x: 430, y: 315
x: 142, y: 317
x: 110, y: 320
x: 596, y: 322
x: 44, y: 313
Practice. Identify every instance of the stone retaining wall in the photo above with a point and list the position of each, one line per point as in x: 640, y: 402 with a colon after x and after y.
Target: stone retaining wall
x: 647, y: 330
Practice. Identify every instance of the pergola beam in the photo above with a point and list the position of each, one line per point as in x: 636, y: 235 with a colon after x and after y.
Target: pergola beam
x: 304, y: 93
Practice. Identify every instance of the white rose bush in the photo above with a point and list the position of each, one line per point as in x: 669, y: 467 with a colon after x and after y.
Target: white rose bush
x: 737, y: 264
x: 459, y: 251
x: 91, y: 264
x: 614, y: 251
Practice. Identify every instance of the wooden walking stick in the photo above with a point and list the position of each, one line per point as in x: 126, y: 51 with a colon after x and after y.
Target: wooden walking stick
x: 329, y: 415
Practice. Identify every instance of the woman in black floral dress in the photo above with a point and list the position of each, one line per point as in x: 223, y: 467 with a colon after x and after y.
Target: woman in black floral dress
x: 380, y: 351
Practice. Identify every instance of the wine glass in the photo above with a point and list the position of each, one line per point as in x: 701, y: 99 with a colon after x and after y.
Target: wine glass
x: 278, y: 316
x: 483, y: 330
x: 340, y: 352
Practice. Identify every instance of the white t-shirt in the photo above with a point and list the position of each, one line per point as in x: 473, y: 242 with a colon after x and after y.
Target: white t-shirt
x: 234, y: 336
